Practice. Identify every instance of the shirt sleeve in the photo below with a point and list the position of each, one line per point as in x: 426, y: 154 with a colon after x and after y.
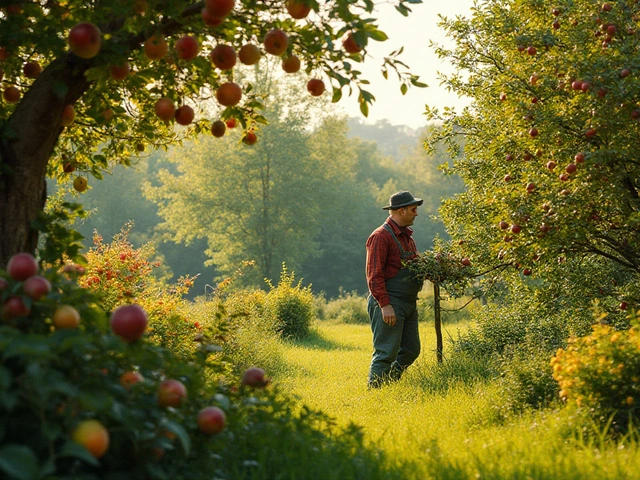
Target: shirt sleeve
x: 377, y: 249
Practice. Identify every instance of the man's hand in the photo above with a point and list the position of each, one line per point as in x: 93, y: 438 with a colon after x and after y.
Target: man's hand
x: 389, y: 315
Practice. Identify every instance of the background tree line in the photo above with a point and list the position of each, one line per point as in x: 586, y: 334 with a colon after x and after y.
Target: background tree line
x: 307, y: 194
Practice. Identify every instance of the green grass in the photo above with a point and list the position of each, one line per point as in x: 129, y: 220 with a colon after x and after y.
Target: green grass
x: 445, y: 422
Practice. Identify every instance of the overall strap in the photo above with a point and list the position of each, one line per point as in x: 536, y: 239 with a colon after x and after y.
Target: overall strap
x: 403, y: 252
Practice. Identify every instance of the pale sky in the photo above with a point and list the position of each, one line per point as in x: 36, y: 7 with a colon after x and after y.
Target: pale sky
x: 412, y: 32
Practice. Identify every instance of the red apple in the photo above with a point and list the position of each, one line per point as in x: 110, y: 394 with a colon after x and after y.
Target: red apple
x: 85, y: 40
x: 14, y: 307
x: 533, y: 132
x: 466, y: 262
x: 527, y: 156
x: 590, y: 133
x: 564, y: 177
x: 229, y: 94
x: 155, y: 47
x: 130, y: 378
x: 187, y: 47
x: 532, y: 51
x: 171, y: 393
x: 223, y: 57
x: 503, y: 225
x: 625, y: 73
x: 571, y: 168
x: 218, y: 128
x: 68, y: 115
x: 602, y: 92
x: 211, y: 420
x: 209, y: 19
x: 544, y: 228
x: 503, y: 96
x: 350, y: 44
x: 531, y: 187
x: 635, y: 114
x: 526, y: 272
x: 249, y: 54
x: 22, y: 266
x: 219, y: 8
x: 507, y: 178
x: 129, y: 322
x: 254, y: 377
x: 165, y: 109
x: 276, y: 42
x: 120, y: 71
x: 291, y: 64
x: 230, y: 122
x: 576, y: 84
x: 11, y: 94
x: 184, y: 115
x: 508, y: 157
x: 556, y: 11
x: 623, y: 305
x: 551, y: 165
x: 36, y: 287
x: 250, y: 138
x: 32, y: 69
x: 556, y: 25
x: 515, y: 228
x: 585, y: 86
x: 579, y: 157
x: 315, y: 87
x: 606, y: 7
x: 297, y: 9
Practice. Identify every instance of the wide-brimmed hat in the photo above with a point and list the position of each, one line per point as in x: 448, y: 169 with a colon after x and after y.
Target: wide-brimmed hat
x: 402, y: 199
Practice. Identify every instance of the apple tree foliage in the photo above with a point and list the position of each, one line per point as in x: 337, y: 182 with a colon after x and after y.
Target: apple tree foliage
x: 551, y: 151
x: 113, y: 118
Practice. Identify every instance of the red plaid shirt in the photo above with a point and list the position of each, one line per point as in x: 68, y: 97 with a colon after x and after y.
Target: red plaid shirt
x: 383, y: 257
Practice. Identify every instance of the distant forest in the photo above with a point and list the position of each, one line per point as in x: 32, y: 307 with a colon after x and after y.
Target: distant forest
x: 304, y: 198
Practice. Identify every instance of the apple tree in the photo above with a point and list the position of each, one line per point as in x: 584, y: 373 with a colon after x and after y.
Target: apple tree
x: 86, y: 84
x: 550, y: 144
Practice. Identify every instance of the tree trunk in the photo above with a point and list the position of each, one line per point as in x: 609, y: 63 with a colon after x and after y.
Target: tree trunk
x: 27, y: 142
x: 437, y: 321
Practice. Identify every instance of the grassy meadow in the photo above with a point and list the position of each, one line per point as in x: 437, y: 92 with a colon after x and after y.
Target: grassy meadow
x: 445, y: 422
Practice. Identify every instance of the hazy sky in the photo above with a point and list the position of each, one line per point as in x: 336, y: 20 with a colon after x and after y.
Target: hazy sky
x: 412, y: 32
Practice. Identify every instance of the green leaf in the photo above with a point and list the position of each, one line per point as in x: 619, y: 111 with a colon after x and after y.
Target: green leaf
x: 19, y: 462
x: 364, y: 108
x: 377, y: 35
x: 75, y: 450
x: 404, y: 88
x: 337, y: 95
x: 181, y: 434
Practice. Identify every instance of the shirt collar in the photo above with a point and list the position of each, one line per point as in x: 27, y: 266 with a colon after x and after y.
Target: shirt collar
x: 408, y: 231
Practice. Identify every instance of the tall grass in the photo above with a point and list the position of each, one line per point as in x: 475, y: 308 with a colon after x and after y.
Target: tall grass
x: 446, y: 421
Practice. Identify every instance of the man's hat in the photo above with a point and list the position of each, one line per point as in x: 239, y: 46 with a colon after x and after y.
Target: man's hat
x: 402, y: 199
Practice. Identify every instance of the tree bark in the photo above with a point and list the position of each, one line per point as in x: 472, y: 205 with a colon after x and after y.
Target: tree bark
x: 437, y: 321
x: 27, y: 142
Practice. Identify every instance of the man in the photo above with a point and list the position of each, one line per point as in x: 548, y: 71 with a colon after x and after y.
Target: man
x: 393, y: 292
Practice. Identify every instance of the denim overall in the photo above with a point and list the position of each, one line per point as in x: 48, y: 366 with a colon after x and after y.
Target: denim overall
x: 397, y: 347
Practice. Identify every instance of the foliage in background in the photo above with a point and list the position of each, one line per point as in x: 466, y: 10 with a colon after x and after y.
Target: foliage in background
x: 349, y: 307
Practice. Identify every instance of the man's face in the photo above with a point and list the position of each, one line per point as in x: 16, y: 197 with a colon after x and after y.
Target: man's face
x: 408, y: 215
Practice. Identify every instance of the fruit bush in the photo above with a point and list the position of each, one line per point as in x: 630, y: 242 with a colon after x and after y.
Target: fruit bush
x: 87, y: 396
x: 119, y: 274
x: 291, y: 306
x: 600, y: 373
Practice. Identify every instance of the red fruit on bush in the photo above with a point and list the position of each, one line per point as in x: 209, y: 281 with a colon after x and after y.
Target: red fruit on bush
x: 466, y: 262
x: 187, y: 47
x: 297, y: 9
x: 36, y: 287
x: 32, y: 69
x: 209, y: 19
x: 254, y: 377
x: 85, y: 40
x: 249, y: 54
x: 230, y: 122
x: 219, y: 8
x: 211, y: 420
x: 128, y: 379
x: 14, y: 307
x: 66, y: 316
x: 120, y: 72
x: 291, y: 64
x: 171, y: 393
x: 515, y: 228
x: 503, y: 225
x: 571, y: 168
x: 184, y: 115
x: 350, y: 44
x: 526, y: 272
x: 165, y: 109
x: 276, y: 42
x: 229, y: 94
x: 22, y: 266
x: 315, y: 87
x: 218, y: 128
x: 129, y: 322
x: 250, y: 138
x: 11, y: 94
x: 155, y: 47
x: 223, y: 57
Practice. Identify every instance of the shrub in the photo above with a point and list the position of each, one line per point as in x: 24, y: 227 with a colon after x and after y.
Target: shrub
x: 290, y: 306
x: 600, y: 373
x: 348, y: 308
